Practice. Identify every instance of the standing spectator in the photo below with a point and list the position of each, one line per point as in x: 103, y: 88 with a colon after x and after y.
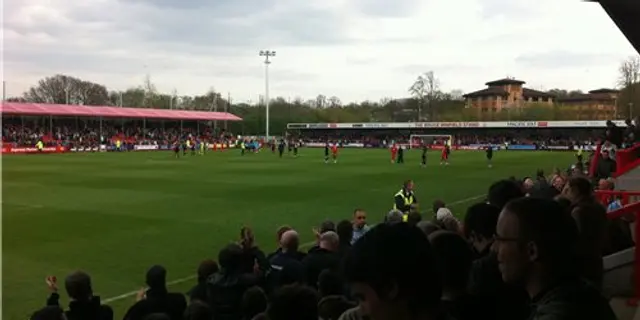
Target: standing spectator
x: 198, y: 310
x: 485, y: 280
x: 157, y: 299
x: 345, y: 234
x: 454, y: 256
x: 333, y: 302
x: 48, y: 313
x: 360, y: 226
x: 226, y: 287
x: 205, y: 270
x: 83, y: 305
x: 606, y: 167
x: 325, y: 257
x: 253, y: 259
x: 535, y: 242
x: 286, y: 266
x: 294, y: 302
x: 254, y: 302
x: 502, y: 192
x: 279, y: 234
x: 393, y: 273
x: 325, y: 226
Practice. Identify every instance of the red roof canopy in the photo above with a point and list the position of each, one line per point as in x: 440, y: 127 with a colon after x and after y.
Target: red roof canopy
x: 43, y: 109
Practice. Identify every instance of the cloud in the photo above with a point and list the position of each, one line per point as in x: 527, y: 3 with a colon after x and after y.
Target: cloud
x: 354, y: 49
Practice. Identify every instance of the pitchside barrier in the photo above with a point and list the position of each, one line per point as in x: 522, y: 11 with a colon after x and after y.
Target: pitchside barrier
x: 8, y: 149
x: 480, y: 146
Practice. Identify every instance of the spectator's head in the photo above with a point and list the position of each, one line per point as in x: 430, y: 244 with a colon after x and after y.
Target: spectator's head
x: 442, y: 213
x: 230, y: 258
x: 408, y: 185
x: 48, y: 313
x: 393, y: 216
x: 578, y: 189
x: 156, y: 316
x: 156, y: 278
x: 392, y: 272
x: 329, y: 241
x: 427, y: 227
x: 558, y: 182
x: 290, y: 241
x: 527, y: 184
x: 198, y: 310
x: 359, y: 218
x: 78, y: 286
x: 454, y: 257
x: 480, y: 225
x: 437, y: 204
x: 451, y: 223
x: 413, y: 218
x: 604, y: 184
x: 206, y: 269
x: 345, y: 231
x: 330, y: 283
x: 280, y: 232
x: 535, y: 243
x: 247, y: 238
x: 294, y: 302
x: 254, y: 302
x: 327, y: 226
x: 605, y: 154
x: 504, y: 191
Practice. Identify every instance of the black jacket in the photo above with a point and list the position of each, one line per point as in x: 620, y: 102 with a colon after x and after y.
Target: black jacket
x: 571, y: 299
x: 251, y: 256
x: 158, y: 301
x: 285, y: 268
x: 316, y: 262
x: 605, y: 168
x: 485, y: 282
x: 83, y: 310
x: 224, y: 293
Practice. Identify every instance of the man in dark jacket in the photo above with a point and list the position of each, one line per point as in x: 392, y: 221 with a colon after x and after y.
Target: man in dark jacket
x: 226, y: 287
x: 325, y: 257
x: 606, y: 166
x: 536, y: 241
x: 83, y: 305
x: 157, y: 299
x: 286, y: 266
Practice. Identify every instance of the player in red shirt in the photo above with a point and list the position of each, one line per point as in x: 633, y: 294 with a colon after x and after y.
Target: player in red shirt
x: 334, y: 152
x: 444, y: 158
x: 394, y: 152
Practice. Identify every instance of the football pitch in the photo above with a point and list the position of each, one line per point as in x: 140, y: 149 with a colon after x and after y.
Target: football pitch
x: 116, y: 214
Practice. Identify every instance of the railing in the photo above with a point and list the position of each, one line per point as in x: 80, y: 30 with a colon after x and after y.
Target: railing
x: 627, y: 159
x: 630, y: 209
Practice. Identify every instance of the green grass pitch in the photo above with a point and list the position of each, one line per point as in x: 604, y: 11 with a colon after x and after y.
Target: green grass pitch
x: 115, y: 214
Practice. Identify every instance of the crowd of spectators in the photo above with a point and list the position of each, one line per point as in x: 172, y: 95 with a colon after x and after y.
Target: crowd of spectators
x: 532, y: 250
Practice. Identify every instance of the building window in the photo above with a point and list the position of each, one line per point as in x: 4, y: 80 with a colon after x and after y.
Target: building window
x: 485, y: 109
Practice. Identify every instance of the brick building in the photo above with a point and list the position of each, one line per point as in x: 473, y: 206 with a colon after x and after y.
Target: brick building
x: 505, y: 93
x: 598, y: 104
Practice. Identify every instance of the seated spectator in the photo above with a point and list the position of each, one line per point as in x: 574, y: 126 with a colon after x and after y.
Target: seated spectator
x: 454, y: 256
x: 428, y: 227
x: 485, y: 280
x: 393, y: 216
x: 360, y: 226
x: 198, y: 310
x: 502, y: 192
x: 205, y: 270
x: 536, y: 244
x: 325, y: 226
x: 253, y: 259
x: 83, y: 305
x: 333, y: 302
x: 294, y: 302
x: 325, y: 257
x: 48, y: 313
x: 254, y: 302
x: 157, y: 299
x: 289, y: 259
x: 279, y: 234
x: 345, y: 233
x: 392, y: 272
x: 226, y: 287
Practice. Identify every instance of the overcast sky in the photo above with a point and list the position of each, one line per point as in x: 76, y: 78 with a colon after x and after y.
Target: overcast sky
x: 354, y: 49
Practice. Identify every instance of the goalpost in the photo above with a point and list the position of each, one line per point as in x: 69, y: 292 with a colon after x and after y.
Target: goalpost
x: 416, y: 141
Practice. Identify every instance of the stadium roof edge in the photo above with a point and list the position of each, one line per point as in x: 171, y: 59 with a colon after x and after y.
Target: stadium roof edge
x: 62, y: 110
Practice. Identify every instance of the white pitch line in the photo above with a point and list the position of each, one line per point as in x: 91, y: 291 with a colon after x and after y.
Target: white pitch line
x: 304, y: 245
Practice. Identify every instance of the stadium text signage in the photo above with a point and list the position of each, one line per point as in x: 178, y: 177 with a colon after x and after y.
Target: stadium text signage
x: 428, y: 125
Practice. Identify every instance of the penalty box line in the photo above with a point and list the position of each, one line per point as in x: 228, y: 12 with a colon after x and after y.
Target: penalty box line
x: 304, y: 245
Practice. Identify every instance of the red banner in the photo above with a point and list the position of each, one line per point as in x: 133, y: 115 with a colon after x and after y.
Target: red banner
x: 22, y: 150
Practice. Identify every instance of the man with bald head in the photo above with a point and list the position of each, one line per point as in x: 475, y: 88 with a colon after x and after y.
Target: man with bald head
x: 286, y: 266
x: 325, y: 257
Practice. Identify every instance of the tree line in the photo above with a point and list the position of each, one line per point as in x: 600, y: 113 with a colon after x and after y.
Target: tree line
x: 426, y: 102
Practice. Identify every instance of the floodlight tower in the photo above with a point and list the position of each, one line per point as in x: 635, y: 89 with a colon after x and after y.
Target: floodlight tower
x: 267, y: 54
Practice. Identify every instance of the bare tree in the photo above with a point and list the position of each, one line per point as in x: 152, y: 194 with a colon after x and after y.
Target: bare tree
x: 629, y: 80
x: 426, y: 89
